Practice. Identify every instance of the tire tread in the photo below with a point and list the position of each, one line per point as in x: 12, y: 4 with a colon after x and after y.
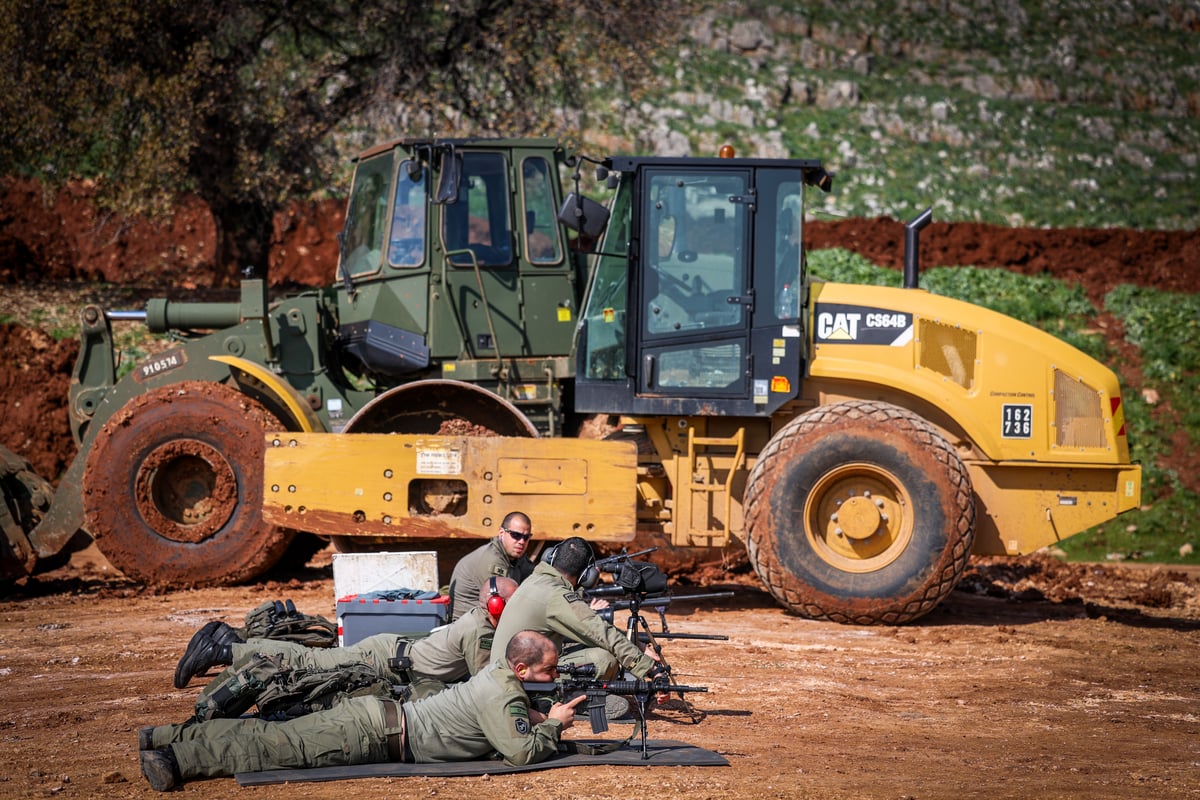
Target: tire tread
x: 759, y: 544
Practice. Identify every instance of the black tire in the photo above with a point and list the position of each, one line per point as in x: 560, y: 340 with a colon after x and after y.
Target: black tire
x: 172, y: 487
x: 859, y: 512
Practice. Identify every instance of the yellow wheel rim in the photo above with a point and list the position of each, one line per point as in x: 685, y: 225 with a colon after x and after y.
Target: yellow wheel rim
x: 858, y: 518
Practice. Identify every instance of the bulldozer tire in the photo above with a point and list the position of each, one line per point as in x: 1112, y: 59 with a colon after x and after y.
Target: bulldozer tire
x: 172, y: 487
x: 859, y: 512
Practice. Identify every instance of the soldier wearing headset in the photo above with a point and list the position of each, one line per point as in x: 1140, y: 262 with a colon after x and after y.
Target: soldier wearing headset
x: 549, y: 602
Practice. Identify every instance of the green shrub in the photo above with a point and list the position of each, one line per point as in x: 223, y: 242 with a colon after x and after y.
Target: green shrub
x: 842, y: 266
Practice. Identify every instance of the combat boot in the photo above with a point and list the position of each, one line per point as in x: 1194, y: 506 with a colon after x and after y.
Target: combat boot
x: 231, y: 700
x: 146, y: 738
x: 617, y: 708
x: 227, y: 634
x: 210, y: 646
x: 161, y: 769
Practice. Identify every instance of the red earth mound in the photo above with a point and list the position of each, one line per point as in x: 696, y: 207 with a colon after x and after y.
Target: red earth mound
x: 34, y: 377
x: 1097, y: 258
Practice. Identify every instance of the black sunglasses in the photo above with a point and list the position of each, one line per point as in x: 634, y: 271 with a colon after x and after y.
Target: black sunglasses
x: 521, y: 537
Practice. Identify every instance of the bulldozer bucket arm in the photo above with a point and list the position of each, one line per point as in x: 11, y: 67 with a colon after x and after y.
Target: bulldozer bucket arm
x: 25, y: 498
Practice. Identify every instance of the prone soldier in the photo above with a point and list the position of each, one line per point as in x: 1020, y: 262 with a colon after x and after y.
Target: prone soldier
x: 549, y: 601
x: 488, y: 714
x: 424, y: 666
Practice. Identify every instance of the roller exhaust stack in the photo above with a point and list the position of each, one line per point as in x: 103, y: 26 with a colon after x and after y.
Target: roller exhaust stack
x: 912, y: 247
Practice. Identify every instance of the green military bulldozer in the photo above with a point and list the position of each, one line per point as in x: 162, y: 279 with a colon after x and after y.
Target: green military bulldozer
x: 658, y: 367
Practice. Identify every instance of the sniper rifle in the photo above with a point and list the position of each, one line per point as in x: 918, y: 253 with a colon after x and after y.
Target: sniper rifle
x: 643, y: 585
x: 660, y: 605
x: 580, y: 679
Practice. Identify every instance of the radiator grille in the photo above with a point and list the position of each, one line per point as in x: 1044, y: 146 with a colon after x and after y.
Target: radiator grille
x: 948, y: 350
x: 1077, y: 417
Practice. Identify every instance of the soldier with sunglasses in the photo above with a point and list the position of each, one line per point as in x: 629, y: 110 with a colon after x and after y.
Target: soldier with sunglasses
x: 502, y: 556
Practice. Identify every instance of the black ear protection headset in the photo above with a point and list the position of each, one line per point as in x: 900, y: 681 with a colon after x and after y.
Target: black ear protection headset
x: 591, y: 574
x: 495, y: 603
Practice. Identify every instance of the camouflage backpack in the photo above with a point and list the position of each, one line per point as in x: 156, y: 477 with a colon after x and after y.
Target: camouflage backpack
x: 296, y: 692
x: 283, y: 692
x: 280, y: 620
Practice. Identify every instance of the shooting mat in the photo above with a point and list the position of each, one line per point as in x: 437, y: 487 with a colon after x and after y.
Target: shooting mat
x: 662, y: 752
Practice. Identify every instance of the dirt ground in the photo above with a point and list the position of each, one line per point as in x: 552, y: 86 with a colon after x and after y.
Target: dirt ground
x: 1034, y: 679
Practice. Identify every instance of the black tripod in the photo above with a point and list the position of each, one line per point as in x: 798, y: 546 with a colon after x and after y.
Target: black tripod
x: 638, y: 630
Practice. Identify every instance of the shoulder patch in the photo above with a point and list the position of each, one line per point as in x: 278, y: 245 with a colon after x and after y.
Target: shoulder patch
x: 572, y: 597
x: 522, y: 726
x: 517, y: 710
x: 500, y: 570
x: 485, y: 642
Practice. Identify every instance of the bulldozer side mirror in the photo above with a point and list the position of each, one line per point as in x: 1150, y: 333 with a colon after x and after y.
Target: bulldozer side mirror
x: 583, y: 215
x: 450, y: 177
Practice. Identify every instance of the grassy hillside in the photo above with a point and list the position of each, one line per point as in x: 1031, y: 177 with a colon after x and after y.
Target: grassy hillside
x: 1063, y: 114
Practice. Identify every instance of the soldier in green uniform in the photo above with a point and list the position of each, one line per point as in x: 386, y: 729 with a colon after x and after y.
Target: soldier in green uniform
x: 425, y: 665
x: 548, y: 601
x: 503, y: 556
x: 488, y: 714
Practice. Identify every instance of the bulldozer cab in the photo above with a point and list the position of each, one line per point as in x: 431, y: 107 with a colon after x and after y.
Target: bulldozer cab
x: 451, y: 252
x: 694, y: 303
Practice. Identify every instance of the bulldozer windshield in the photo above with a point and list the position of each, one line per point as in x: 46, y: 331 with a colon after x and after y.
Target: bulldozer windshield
x: 406, y: 241
x: 604, y: 354
x: 542, y: 242
x: 478, y: 221
x: 713, y: 275
x: 366, y: 217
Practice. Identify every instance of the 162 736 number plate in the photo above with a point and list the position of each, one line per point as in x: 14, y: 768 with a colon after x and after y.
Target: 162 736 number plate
x: 1016, y: 421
